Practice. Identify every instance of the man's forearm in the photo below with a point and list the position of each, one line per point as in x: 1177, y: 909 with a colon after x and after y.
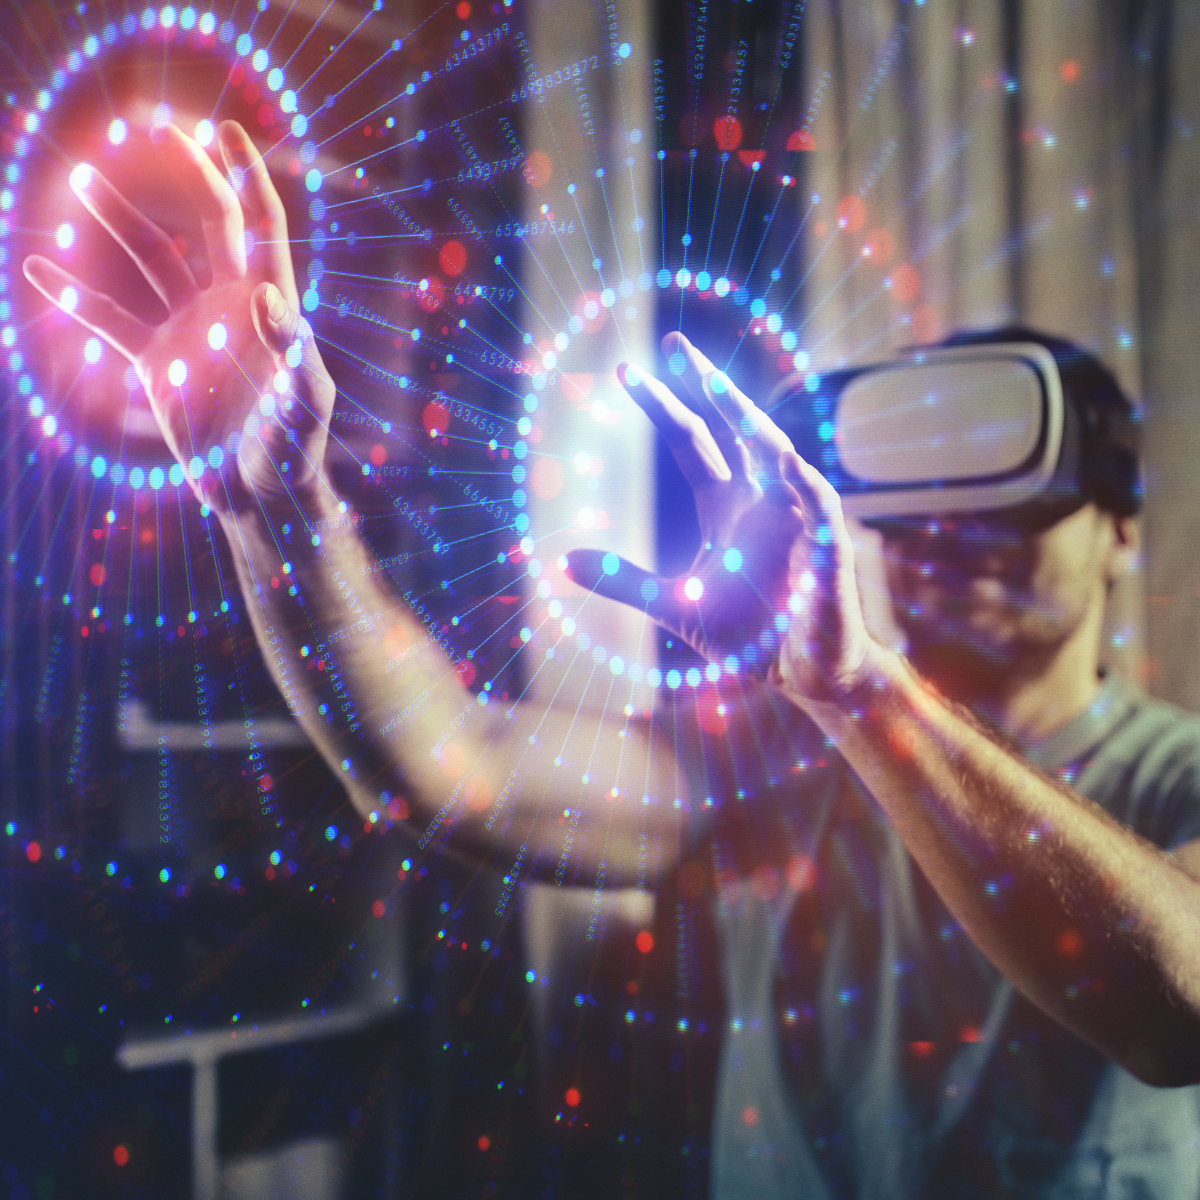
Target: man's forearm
x: 1019, y: 860
x: 378, y: 693
x: 326, y: 633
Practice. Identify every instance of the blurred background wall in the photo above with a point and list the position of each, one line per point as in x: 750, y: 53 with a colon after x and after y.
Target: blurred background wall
x: 955, y: 162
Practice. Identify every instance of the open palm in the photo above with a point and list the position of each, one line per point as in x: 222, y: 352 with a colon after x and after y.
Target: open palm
x: 772, y: 588
x: 233, y: 357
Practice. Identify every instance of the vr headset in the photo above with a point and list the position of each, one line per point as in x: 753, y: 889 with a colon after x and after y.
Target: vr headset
x: 975, y: 428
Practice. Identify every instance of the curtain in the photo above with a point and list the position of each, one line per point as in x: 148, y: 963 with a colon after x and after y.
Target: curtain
x: 980, y: 162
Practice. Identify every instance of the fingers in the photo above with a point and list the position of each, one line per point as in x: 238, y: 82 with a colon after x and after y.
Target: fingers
x: 688, y: 437
x: 755, y: 428
x: 608, y: 575
x: 262, y: 207
x: 819, y: 501
x: 97, y: 312
x: 220, y: 209
x: 696, y: 368
x: 144, y: 242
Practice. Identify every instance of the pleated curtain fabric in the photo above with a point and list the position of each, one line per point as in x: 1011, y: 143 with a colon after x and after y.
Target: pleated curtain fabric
x: 980, y: 163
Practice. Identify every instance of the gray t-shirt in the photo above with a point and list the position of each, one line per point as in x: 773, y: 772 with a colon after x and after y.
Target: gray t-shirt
x: 872, y: 1052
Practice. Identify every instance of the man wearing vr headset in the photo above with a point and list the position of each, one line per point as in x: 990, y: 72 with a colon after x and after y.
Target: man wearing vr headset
x: 957, y: 959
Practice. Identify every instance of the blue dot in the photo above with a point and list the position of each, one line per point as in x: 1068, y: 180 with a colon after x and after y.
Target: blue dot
x: 733, y: 559
x: 677, y: 364
x: 649, y: 590
x: 611, y: 564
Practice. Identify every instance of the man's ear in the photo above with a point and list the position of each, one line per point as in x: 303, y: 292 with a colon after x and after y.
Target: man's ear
x: 1125, y: 548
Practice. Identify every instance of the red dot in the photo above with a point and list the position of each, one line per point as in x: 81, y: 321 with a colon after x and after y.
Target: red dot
x: 84, y: 631
x: 1069, y: 943
x: 120, y: 1155
x: 906, y: 283
x: 728, y: 132
x: 969, y: 1033
x: 572, y: 1097
x: 484, y: 1141
x: 921, y: 1049
x: 270, y: 872
x: 749, y: 1115
x: 538, y: 168
x: 1069, y: 71
x: 97, y: 574
x: 801, y: 140
x: 435, y: 416
x: 851, y: 213
x: 33, y: 851
x: 453, y: 258
x: 378, y: 455
x: 366, y: 131
x: 378, y: 908
x: 801, y: 873
x: 644, y: 941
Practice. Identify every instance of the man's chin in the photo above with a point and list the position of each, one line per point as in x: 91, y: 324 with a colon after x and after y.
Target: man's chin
x: 976, y: 637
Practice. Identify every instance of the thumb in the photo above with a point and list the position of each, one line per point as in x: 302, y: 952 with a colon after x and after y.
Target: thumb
x: 290, y: 339
x: 277, y: 322
x: 607, y: 574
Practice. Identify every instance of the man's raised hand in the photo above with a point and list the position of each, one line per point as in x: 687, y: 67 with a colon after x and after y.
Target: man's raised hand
x: 773, y: 585
x: 244, y: 348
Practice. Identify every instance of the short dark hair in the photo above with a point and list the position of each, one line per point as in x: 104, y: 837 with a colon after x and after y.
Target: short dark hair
x: 1110, y: 423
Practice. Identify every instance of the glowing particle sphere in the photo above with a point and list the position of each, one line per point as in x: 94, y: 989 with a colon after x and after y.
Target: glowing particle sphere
x: 92, y: 350
x: 81, y: 177
x: 733, y: 559
x: 282, y: 381
x: 120, y: 1155
x: 117, y: 131
x: 218, y: 335
x: 68, y: 299
x: 205, y: 132
x: 177, y: 372
x: 693, y: 589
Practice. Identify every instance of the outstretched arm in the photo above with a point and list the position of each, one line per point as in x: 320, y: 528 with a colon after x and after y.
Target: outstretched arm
x: 389, y: 710
x: 967, y: 808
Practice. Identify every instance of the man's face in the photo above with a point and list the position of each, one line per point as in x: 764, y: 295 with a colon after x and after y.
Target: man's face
x: 994, y: 592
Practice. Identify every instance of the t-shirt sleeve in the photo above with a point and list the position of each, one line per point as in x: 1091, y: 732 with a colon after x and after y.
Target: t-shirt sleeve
x: 1166, y: 781
x: 1181, y: 809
